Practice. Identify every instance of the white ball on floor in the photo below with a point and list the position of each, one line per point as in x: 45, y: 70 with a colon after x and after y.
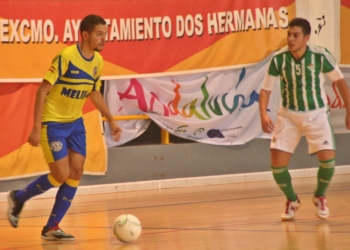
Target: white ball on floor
x: 127, y: 228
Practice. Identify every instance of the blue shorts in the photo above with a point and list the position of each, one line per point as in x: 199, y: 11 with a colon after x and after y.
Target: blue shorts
x: 57, y: 137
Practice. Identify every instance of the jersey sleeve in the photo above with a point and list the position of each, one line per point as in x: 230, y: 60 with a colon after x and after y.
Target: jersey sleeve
x: 330, y: 67
x: 335, y: 74
x: 58, y: 68
x: 273, y: 69
x: 98, y: 82
x: 271, y: 75
x: 97, y: 85
x: 328, y: 62
x: 269, y: 82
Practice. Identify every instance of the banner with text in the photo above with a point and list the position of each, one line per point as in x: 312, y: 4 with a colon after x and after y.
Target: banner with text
x: 329, y: 22
x: 144, y: 37
x: 17, y: 158
x: 324, y: 19
x: 193, y: 107
x: 217, y: 107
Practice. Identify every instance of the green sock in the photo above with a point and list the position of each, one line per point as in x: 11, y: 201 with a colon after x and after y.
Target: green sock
x: 284, y: 181
x: 324, y: 176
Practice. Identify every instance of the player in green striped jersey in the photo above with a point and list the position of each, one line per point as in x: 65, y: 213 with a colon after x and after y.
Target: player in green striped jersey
x: 301, y: 68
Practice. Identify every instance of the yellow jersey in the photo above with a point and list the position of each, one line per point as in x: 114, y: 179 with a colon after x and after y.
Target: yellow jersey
x: 73, y: 77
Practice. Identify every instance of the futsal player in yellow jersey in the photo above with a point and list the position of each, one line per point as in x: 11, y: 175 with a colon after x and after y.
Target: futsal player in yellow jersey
x: 58, y: 125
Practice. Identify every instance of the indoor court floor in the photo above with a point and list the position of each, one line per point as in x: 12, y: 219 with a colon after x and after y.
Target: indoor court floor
x: 242, y: 215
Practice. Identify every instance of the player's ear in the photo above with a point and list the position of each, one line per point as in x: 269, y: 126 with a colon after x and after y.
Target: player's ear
x: 307, y: 37
x: 84, y: 35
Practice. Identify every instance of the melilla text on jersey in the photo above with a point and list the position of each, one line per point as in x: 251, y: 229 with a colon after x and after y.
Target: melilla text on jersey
x: 75, y: 94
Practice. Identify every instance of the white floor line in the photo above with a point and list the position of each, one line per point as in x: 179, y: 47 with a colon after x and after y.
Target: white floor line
x: 184, y: 182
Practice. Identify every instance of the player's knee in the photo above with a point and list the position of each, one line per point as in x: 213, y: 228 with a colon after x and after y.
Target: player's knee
x: 60, y: 174
x: 60, y: 177
x: 76, y: 174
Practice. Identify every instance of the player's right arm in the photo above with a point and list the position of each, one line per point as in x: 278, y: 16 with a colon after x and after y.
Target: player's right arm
x: 264, y: 97
x: 43, y: 90
x: 266, y: 123
x: 58, y: 68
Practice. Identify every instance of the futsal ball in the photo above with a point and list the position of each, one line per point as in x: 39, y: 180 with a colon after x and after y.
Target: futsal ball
x: 127, y: 228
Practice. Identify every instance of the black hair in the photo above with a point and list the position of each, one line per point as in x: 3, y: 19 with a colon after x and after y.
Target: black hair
x: 302, y: 23
x: 89, y: 22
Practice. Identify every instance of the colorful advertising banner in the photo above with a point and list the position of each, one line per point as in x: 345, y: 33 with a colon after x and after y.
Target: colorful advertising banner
x: 144, y: 37
x: 192, y: 106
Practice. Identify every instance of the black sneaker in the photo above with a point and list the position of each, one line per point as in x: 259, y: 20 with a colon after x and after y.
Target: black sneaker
x: 55, y: 233
x: 14, y: 209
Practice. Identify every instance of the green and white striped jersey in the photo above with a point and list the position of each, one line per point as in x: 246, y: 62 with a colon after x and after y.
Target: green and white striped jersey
x: 302, y: 80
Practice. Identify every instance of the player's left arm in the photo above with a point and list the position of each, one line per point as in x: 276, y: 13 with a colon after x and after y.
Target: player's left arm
x: 97, y: 99
x: 344, y: 92
x: 331, y: 69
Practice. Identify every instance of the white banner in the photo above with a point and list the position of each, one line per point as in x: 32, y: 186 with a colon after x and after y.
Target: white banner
x: 325, y: 23
x: 131, y: 128
x: 217, y: 108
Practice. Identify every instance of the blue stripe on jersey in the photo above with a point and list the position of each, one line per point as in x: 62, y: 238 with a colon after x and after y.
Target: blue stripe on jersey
x: 73, y: 72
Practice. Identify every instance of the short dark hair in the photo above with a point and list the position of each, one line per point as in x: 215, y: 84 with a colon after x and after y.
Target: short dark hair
x: 89, y: 22
x: 302, y: 23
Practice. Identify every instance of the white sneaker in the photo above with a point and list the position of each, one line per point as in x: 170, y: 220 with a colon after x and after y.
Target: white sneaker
x: 291, y: 207
x: 322, y: 211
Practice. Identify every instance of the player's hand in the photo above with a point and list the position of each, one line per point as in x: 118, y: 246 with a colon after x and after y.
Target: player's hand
x: 115, y: 130
x: 34, y: 138
x: 347, y: 121
x: 266, y: 124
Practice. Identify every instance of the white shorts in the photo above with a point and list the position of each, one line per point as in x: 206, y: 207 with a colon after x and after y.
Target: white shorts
x: 314, y: 125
